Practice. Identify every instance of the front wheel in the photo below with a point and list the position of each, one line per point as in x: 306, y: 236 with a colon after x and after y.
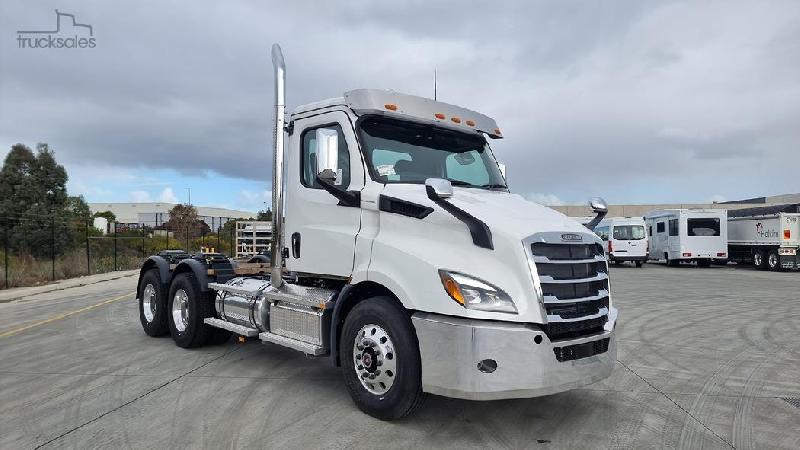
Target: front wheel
x: 380, y: 359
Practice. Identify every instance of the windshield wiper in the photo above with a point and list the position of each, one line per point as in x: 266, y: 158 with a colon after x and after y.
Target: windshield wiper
x: 481, y: 186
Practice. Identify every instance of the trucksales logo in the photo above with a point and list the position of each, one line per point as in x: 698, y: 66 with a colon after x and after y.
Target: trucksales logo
x: 74, y: 35
x: 571, y: 237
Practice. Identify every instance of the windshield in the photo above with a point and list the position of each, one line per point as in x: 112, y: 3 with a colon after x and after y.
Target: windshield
x: 404, y: 152
x: 628, y: 232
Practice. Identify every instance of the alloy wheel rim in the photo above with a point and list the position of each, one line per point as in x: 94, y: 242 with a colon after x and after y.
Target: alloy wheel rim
x: 180, y: 310
x: 149, y: 302
x: 375, y: 359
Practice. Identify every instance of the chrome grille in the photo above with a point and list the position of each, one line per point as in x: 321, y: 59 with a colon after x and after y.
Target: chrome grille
x: 574, y: 281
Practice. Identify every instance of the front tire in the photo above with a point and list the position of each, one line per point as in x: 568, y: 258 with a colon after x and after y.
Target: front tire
x: 380, y: 359
x: 153, y: 304
x: 188, y: 306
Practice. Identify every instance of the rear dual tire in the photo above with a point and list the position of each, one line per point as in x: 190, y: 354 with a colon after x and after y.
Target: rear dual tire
x: 153, y: 304
x: 187, y: 309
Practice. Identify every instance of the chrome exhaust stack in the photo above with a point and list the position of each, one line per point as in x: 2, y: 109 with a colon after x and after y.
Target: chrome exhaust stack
x: 276, y: 246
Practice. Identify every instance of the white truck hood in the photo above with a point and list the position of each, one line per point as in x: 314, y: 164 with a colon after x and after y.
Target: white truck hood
x: 510, y: 214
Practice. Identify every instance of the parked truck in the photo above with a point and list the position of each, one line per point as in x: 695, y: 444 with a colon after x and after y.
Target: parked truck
x: 768, y: 236
x: 399, y: 254
x: 688, y: 235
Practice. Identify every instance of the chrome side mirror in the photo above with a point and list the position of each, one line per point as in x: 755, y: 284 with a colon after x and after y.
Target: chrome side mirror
x: 440, y: 187
x: 502, y: 170
x: 328, y: 155
x: 599, y: 207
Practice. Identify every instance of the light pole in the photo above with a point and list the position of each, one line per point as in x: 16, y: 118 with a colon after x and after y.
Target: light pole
x: 190, y: 194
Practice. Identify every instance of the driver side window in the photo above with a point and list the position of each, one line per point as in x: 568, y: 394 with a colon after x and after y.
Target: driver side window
x: 308, y: 159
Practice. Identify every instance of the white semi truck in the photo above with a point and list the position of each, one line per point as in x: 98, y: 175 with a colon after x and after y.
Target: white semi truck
x: 400, y: 255
x: 768, y: 236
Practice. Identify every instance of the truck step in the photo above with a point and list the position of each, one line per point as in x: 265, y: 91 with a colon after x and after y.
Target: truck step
x: 225, y: 325
x: 305, y: 347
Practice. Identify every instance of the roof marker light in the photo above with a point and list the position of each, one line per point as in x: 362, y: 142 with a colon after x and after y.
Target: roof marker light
x: 497, y: 131
x: 390, y: 106
x: 470, y: 123
x: 439, y: 116
x: 456, y: 119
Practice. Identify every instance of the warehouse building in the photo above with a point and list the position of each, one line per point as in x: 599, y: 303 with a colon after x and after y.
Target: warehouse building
x: 156, y: 213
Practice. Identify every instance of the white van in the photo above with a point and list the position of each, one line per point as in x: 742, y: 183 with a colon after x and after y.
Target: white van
x: 625, y: 239
x: 685, y: 235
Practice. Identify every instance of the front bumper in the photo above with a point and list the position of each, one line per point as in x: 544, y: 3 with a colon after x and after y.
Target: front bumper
x: 452, y: 348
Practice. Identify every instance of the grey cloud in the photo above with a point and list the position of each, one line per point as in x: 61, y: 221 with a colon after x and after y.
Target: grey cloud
x: 586, y: 93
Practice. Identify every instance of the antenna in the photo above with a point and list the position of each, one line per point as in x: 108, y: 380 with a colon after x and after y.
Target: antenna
x: 434, y: 84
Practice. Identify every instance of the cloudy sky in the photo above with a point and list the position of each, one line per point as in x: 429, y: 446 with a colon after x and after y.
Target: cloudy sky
x: 637, y: 101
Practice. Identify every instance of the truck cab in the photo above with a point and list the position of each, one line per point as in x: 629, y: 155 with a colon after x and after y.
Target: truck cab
x: 400, y: 254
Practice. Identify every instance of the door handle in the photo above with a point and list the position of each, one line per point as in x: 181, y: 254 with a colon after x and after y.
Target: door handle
x: 296, y: 245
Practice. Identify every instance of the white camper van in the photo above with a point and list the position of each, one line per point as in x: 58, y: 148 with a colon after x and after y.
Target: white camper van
x: 685, y: 235
x: 625, y: 239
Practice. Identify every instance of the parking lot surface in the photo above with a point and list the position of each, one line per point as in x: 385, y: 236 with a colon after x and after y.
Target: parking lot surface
x: 708, y: 358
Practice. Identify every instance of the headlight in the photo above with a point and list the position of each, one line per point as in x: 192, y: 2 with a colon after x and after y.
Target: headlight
x: 472, y: 293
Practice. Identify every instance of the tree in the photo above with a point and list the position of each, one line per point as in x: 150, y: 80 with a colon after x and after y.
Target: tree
x: 264, y: 215
x: 34, y: 200
x: 108, y: 215
x: 184, y: 223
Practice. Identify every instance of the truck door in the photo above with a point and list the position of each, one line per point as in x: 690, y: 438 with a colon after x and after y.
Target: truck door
x: 319, y: 233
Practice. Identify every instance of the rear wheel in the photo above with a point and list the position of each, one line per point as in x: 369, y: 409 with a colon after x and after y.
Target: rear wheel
x: 188, y: 306
x: 639, y: 263
x: 153, y: 304
x: 380, y: 359
x: 773, y: 261
x: 760, y: 260
x: 671, y: 262
x: 704, y: 262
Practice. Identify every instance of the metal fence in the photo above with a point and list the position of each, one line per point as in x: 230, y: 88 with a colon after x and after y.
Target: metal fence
x: 37, y: 250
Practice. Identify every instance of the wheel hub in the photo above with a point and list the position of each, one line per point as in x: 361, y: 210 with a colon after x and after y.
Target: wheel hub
x: 374, y: 357
x: 180, y: 310
x: 149, y: 302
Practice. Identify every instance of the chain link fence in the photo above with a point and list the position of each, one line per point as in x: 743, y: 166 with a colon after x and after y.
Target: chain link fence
x: 38, y: 250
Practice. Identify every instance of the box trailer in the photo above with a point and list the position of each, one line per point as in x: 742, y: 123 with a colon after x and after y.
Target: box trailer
x: 687, y: 235
x: 768, y: 236
x: 399, y: 253
x: 625, y: 239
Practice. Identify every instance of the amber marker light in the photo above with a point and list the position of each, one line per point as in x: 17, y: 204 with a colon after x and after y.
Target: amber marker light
x: 451, y: 287
x: 439, y: 116
x: 390, y: 106
x: 456, y: 119
x: 470, y: 123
